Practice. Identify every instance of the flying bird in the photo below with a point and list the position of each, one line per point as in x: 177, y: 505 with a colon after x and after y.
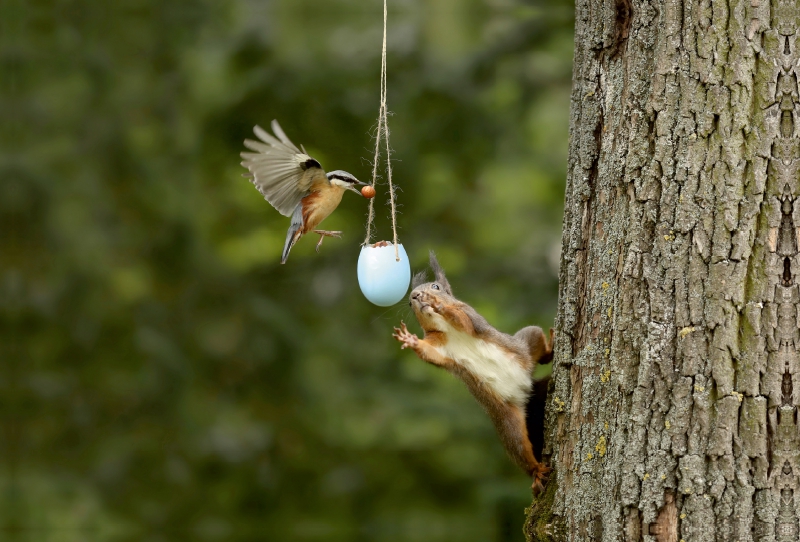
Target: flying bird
x: 295, y: 184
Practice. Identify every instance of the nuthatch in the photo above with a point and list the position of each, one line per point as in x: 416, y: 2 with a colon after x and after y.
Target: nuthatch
x: 295, y: 184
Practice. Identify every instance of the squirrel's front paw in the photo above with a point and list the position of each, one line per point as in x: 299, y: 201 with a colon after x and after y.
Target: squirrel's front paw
x: 402, y: 334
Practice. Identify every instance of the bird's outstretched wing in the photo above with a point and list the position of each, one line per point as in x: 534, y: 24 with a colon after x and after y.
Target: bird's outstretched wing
x: 281, y: 172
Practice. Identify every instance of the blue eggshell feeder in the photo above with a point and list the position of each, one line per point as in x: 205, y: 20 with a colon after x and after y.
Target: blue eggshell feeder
x: 383, y: 280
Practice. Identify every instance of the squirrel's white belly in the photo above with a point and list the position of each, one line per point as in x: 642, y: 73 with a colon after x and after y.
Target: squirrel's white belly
x: 490, y: 364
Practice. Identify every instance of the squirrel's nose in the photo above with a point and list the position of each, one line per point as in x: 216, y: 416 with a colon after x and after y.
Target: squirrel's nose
x: 414, y: 295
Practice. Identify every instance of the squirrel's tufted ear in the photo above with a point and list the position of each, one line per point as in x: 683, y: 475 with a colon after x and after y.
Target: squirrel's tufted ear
x: 419, y: 278
x: 438, y: 273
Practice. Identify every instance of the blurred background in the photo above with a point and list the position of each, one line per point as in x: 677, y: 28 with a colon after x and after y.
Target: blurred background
x: 168, y: 379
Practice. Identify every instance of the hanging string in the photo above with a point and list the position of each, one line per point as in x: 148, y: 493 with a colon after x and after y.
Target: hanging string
x: 376, y: 159
x: 383, y: 131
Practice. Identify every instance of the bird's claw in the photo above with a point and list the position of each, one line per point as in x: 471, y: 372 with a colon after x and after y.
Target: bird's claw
x: 328, y: 233
x: 406, y: 338
x: 325, y: 233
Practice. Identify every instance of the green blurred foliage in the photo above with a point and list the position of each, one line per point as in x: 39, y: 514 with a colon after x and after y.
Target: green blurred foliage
x: 169, y: 380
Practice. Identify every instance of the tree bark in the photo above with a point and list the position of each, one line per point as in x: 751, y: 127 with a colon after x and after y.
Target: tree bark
x: 672, y: 414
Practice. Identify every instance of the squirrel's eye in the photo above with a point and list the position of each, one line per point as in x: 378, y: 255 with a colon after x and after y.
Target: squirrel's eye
x: 435, y: 286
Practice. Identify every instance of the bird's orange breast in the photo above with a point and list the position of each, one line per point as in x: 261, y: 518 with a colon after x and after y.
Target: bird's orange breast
x: 319, y: 204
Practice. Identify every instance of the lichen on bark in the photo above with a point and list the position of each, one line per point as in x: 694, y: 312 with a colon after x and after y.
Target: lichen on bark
x: 672, y: 414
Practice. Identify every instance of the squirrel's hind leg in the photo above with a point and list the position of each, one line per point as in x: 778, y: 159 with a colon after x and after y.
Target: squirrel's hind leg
x: 540, y: 348
x: 511, y: 428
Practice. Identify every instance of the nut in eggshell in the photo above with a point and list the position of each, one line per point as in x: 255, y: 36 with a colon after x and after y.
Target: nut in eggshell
x: 368, y: 192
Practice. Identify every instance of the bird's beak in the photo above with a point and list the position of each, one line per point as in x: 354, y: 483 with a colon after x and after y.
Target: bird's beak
x: 354, y: 189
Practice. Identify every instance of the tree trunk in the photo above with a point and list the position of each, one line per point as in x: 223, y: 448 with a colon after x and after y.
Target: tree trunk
x: 672, y: 414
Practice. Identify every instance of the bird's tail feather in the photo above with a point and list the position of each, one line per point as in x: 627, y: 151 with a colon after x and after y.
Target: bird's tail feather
x: 291, y: 238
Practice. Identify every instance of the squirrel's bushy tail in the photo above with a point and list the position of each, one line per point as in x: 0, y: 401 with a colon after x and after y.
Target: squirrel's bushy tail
x: 534, y: 416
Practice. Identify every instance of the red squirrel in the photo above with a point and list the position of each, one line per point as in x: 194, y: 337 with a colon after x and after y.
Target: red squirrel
x: 496, y: 367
